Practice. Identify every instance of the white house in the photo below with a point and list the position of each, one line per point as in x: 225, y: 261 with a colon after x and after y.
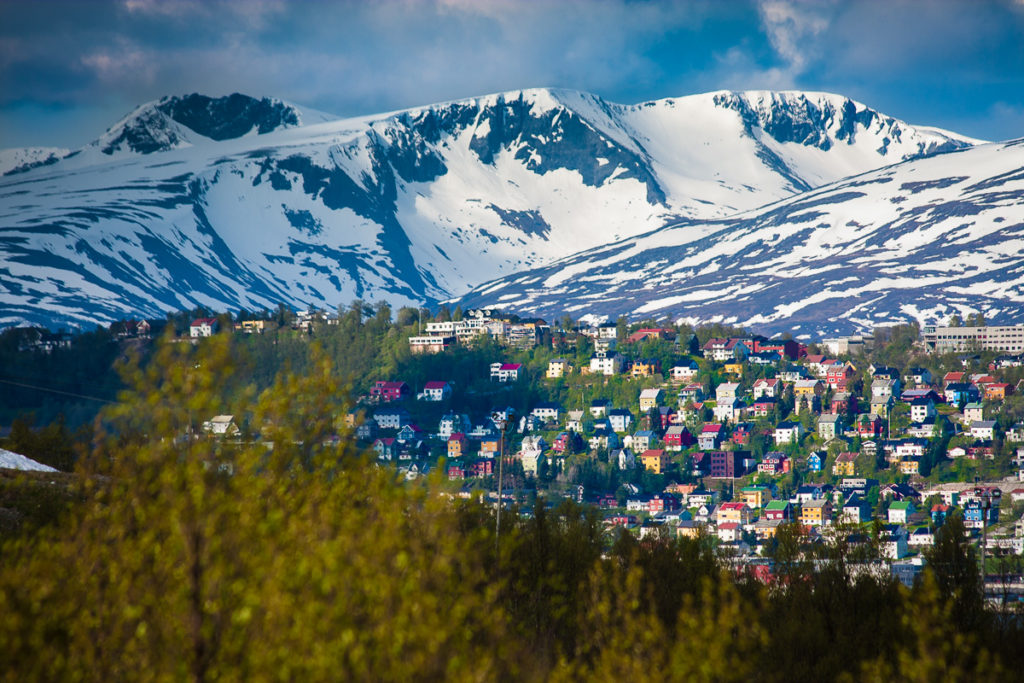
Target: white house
x: 983, y: 429
x: 452, y: 423
x: 625, y: 458
x: 435, y: 391
x: 728, y: 410
x: 505, y: 372
x: 788, y: 432
x: 921, y: 409
x: 893, y: 542
x: 557, y: 367
x: 684, y: 373
x: 203, y: 327
x: 770, y: 388
x: 620, y: 419
x: 606, y: 363
x: 830, y: 426
x: 880, y: 388
x: 548, y: 412
x: 727, y: 390
x: 974, y: 412
x: 391, y: 418
x: 221, y: 425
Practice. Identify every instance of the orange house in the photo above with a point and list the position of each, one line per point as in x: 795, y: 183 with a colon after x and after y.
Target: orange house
x: 456, y: 445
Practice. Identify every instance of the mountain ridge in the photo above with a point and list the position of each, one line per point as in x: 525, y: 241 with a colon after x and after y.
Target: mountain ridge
x: 918, y: 240
x: 413, y: 206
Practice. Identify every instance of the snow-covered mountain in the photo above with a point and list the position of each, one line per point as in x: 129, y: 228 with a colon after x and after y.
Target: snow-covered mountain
x: 24, y: 158
x: 237, y: 202
x: 918, y: 240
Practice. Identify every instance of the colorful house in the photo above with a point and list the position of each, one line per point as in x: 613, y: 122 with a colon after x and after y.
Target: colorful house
x: 815, y: 512
x: 755, y: 496
x: 654, y: 460
x: 457, y: 445
x: 389, y: 391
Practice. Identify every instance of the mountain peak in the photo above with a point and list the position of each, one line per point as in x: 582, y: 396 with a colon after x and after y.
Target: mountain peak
x: 176, y: 121
x: 821, y: 120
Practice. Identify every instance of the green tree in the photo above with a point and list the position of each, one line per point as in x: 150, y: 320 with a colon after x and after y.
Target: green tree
x: 193, y: 558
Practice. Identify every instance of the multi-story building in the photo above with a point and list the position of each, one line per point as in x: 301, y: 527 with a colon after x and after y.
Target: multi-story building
x: 989, y: 338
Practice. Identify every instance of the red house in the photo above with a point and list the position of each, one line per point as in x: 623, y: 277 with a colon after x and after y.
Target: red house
x: 390, y: 391
x: 482, y: 468
x: 839, y: 374
x: 784, y: 347
x: 660, y: 502
x: 741, y: 433
x: 678, y: 437
x: 843, y: 404
x: 871, y: 428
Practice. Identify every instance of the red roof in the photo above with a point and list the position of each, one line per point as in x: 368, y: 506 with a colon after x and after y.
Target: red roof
x: 203, y: 321
x: 435, y: 385
x: 511, y: 366
x: 711, y: 429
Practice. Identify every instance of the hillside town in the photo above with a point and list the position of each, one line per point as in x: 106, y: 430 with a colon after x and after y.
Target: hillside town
x: 730, y: 437
x: 673, y: 431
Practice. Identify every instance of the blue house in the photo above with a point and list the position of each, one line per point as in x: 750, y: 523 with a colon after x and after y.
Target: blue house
x: 814, y: 462
x: 975, y: 514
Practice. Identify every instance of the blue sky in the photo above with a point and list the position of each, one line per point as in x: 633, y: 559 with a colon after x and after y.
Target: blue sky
x: 70, y: 69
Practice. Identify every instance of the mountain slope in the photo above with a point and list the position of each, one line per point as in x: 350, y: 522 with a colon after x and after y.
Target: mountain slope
x: 25, y: 158
x: 240, y: 202
x: 914, y: 241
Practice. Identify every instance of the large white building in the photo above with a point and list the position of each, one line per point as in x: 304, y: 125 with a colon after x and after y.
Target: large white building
x: 990, y: 338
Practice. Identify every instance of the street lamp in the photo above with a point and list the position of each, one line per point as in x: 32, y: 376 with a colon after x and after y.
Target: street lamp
x: 499, y: 420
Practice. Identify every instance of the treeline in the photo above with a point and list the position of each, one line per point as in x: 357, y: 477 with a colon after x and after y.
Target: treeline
x: 184, y: 558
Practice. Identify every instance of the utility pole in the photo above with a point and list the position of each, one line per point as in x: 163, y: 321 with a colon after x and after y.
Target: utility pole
x: 499, y: 422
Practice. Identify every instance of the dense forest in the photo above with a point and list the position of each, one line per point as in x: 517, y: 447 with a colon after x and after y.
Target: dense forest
x: 175, y: 557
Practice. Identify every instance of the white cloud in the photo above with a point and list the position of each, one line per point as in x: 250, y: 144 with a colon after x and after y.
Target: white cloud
x: 794, y: 29
x: 123, y: 65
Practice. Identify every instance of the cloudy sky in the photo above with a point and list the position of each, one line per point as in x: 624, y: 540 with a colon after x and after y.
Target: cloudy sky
x: 70, y: 69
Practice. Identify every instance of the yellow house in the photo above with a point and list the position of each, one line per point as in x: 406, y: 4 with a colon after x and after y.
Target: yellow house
x: 815, y: 513
x: 644, y: 368
x: 559, y: 367
x: 755, y: 496
x: 732, y: 513
x: 734, y: 369
x: 689, y: 529
x: 251, y: 326
x: 807, y: 387
x: 654, y: 460
x: 911, y: 465
x: 844, y: 465
x: 650, y: 398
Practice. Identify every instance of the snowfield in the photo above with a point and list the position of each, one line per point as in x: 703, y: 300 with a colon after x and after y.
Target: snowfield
x: 243, y: 203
